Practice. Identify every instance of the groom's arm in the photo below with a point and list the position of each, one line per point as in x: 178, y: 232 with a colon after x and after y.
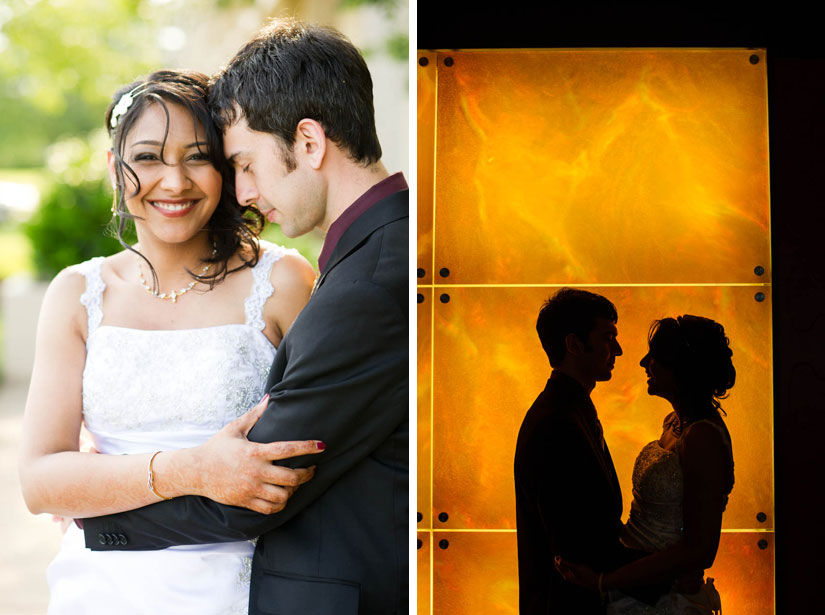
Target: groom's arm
x: 346, y: 383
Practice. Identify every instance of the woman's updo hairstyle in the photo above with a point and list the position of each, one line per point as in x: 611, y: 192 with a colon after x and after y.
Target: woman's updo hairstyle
x: 232, y: 227
x: 698, y: 352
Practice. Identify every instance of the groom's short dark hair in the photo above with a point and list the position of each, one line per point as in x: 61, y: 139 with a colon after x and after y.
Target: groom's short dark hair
x: 291, y: 71
x: 570, y: 310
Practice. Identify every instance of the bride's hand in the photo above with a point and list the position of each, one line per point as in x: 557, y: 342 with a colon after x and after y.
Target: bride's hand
x: 238, y: 472
x: 578, y: 574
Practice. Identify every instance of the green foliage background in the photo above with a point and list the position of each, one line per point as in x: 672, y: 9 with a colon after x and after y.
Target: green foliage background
x: 72, y: 221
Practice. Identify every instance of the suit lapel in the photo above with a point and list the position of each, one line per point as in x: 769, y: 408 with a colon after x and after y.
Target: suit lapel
x: 602, y: 454
x: 390, y: 209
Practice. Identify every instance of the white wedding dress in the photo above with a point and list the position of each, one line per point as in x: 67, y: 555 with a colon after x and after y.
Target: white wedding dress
x: 150, y: 390
x: 655, y: 523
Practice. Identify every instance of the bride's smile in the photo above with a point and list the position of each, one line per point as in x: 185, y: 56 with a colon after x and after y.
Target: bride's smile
x: 178, y: 188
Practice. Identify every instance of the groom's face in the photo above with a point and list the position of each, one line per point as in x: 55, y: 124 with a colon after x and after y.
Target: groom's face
x: 602, y: 350
x: 288, y: 196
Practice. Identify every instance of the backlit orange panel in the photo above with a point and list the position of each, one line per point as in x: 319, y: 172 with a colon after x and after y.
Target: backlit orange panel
x: 426, y: 161
x: 423, y: 572
x: 743, y: 573
x: 489, y: 367
x: 478, y: 573
x: 600, y: 166
x: 425, y: 311
x: 639, y: 173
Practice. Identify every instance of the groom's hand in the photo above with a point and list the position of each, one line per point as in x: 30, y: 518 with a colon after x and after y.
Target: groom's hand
x: 232, y: 470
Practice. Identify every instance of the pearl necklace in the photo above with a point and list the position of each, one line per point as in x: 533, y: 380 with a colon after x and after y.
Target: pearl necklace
x: 173, y: 296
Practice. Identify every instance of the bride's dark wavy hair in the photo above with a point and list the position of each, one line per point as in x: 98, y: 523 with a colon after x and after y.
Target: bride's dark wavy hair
x: 698, y: 352
x: 232, y: 227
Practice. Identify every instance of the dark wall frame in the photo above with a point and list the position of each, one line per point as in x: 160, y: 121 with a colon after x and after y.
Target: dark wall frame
x: 796, y: 116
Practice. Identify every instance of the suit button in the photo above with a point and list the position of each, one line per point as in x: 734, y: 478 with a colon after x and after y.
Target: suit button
x: 122, y: 539
x: 101, y: 539
x: 110, y: 539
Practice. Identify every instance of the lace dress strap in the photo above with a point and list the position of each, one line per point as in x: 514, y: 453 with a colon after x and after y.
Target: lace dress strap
x: 92, y: 297
x: 261, y: 287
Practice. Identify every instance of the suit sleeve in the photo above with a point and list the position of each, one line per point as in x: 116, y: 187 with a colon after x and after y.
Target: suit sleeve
x: 572, y: 496
x: 345, y: 382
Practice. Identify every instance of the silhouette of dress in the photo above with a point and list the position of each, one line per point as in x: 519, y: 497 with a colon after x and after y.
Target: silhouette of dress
x: 655, y: 523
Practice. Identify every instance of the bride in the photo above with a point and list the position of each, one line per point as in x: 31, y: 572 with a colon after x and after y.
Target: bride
x: 159, y: 351
x: 681, y: 481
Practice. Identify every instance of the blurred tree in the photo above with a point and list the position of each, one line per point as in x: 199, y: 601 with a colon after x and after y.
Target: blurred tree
x: 59, y: 63
x: 69, y: 227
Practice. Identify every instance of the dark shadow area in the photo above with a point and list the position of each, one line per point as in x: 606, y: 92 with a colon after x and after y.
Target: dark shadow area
x: 796, y: 97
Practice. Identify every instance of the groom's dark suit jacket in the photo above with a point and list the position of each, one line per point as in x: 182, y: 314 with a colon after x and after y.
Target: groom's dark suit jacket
x: 568, y: 500
x: 341, y: 376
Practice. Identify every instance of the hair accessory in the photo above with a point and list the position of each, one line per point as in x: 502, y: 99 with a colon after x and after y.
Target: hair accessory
x: 125, y: 102
x: 151, y: 483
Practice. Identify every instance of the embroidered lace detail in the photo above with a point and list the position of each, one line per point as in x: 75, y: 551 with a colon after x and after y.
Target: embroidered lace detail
x: 655, y: 520
x: 92, y: 297
x: 261, y: 286
x: 245, y: 573
x: 172, y: 381
x: 241, y: 606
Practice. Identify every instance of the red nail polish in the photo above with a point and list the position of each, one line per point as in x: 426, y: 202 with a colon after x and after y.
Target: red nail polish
x: 320, y: 446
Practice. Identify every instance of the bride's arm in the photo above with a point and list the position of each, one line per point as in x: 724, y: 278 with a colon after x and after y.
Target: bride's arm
x: 56, y: 478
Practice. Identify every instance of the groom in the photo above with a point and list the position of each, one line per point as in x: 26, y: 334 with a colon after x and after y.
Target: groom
x: 295, y: 106
x: 568, y: 500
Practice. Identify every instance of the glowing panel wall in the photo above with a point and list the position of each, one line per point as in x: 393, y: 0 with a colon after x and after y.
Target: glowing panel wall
x: 638, y: 174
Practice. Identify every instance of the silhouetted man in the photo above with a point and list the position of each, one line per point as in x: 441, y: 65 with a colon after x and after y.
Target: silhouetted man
x: 568, y: 500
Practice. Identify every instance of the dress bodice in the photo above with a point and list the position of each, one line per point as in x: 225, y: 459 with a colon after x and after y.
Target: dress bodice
x: 655, y: 520
x: 656, y: 514
x: 145, y: 390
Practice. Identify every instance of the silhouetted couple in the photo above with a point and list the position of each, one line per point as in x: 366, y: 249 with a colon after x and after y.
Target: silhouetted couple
x: 575, y: 554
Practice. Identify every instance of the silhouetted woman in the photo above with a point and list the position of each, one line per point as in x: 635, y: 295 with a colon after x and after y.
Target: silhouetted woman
x: 681, y: 481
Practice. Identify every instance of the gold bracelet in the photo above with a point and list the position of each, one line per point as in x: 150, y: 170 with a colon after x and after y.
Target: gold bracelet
x: 151, y: 483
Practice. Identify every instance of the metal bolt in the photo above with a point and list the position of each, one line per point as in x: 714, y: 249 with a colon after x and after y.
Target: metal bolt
x: 444, y: 272
x: 754, y: 59
x: 443, y: 543
x: 443, y: 517
x: 760, y: 297
x: 762, y: 544
x: 423, y: 61
x: 420, y: 298
x: 448, y: 61
x: 420, y: 517
x: 445, y: 298
x: 420, y: 544
x: 421, y: 272
x: 761, y: 517
x: 759, y: 270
